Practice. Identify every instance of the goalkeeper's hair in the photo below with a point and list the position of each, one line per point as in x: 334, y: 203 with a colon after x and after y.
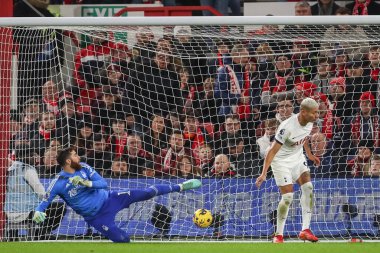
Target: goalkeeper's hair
x: 63, y: 155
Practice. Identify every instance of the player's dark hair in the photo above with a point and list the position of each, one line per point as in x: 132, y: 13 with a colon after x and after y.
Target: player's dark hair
x: 63, y: 155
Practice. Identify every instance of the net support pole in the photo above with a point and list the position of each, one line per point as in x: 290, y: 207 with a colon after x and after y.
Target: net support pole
x: 6, y: 45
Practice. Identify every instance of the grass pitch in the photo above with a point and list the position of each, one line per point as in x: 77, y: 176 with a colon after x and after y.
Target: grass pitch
x: 219, y: 247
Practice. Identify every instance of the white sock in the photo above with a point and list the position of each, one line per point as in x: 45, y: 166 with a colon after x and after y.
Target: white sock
x: 306, y: 204
x: 282, y: 211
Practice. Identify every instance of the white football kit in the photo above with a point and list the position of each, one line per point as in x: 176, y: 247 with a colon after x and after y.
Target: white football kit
x: 289, y: 162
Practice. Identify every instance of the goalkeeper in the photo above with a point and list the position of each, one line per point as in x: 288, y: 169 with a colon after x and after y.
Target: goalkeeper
x: 84, y: 190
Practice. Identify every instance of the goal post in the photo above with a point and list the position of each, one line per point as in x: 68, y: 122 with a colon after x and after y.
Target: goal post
x: 150, y: 100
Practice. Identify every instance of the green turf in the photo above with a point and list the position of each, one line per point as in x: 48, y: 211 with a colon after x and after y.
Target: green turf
x: 94, y: 247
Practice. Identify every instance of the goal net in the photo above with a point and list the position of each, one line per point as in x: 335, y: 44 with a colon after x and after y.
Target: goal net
x: 152, y: 104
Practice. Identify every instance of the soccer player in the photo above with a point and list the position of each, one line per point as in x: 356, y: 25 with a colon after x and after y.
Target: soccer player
x: 288, y: 163
x: 84, y: 190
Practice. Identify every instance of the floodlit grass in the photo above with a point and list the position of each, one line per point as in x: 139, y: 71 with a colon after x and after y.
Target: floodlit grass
x: 219, y: 247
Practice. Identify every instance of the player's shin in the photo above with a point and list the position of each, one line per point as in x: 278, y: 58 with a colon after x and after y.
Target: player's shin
x: 282, y: 211
x: 306, y: 204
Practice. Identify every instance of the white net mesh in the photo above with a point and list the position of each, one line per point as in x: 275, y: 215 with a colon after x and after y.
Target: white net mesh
x: 151, y: 105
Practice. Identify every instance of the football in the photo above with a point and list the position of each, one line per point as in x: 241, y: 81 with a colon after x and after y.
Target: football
x: 202, y: 218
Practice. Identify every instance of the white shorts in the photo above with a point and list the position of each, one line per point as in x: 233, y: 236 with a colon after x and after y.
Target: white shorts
x: 287, y: 173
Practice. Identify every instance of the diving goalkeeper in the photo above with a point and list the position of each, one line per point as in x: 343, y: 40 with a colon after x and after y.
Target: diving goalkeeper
x: 84, y: 190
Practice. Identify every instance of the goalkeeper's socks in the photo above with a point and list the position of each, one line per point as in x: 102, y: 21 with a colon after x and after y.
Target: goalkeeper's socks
x: 306, y: 204
x: 161, y: 189
x: 282, y: 211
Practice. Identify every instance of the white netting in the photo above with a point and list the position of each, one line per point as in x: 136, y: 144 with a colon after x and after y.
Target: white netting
x: 149, y: 105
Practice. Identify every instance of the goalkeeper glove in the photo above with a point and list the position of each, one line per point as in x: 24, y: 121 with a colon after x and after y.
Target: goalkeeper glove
x: 39, y: 217
x: 77, y: 180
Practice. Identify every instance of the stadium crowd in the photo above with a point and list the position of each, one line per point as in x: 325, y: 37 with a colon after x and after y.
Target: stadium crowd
x: 189, y: 105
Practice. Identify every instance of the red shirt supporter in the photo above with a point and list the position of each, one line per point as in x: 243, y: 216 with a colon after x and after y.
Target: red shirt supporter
x: 50, y: 97
x: 166, y: 161
x: 91, y: 58
x: 194, y: 136
x: 279, y: 81
x: 118, y: 139
x: 325, y: 120
x: 374, y: 58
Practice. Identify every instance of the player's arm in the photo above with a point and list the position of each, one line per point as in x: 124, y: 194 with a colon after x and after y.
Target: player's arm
x: 309, y: 154
x: 267, y: 161
x: 96, y: 181
x: 39, y: 214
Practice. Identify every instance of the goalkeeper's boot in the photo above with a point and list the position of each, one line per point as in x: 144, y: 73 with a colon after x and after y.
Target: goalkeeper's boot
x: 307, y: 235
x: 278, y: 239
x: 190, y: 184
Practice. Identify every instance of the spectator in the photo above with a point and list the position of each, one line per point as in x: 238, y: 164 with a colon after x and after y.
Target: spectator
x: 118, y: 138
x: 324, y: 7
x: 156, y: 139
x: 304, y: 61
x: 195, y: 135
x: 265, y: 59
x: 325, y: 119
x: 222, y: 7
x: 84, y: 136
x: 233, y: 83
x: 374, y: 169
x: 91, y: 59
x: 98, y: 155
x: 322, y: 149
x: 186, y: 168
x: 148, y: 170
x: 173, y: 120
x: 280, y: 81
x: 67, y: 120
x: 109, y: 107
x: 206, y: 158
x: 231, y: 127
x: 164, y: 44
x: 321, y: 79
x: 360, y: 164
x: 145, y: 43
x: 301, y: 91
x: 50, y: 95
x: 364, y: 7
x: 135, y: 156
x: 222, y: 168
x: 374, y: 58
x: 223, y: 47
x: 23, y: 194
x: 191, y: 51
x: 119, y: 168
x: 302, y: 9
x: 47, y: 130
x: 167, y: 160
x: 344, y: 32
x: 31, y: 113
x: 284, y: 109
x: 157, y: 75
x: 266, y: 140
x: 241, y: 158
x: 50, y: 166
x: 358, y: 82
x: 208, y: 103
x: 55, y: 144
x: 189, y: 94
x: 365, y: 124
